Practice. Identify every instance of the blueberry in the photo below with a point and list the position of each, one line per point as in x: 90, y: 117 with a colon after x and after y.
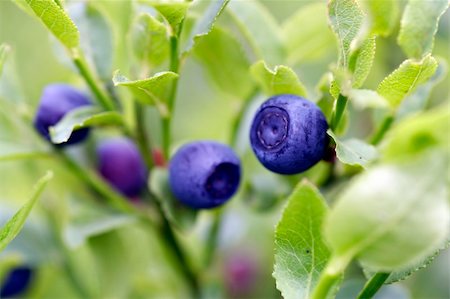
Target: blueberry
x: 204, y: 174
x: 121, y: 164
x: 16, y: 282
x: 289, y: 134
x: 56, y: 101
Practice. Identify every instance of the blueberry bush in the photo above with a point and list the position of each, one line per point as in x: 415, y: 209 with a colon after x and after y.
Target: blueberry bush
x: 224, y: 149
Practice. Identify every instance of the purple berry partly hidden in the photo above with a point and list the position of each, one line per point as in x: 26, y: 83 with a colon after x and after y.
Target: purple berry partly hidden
x: 121, y: 164
x: 289, y: 134
x: 56, y: 101
x: 16, y: 282
x: 204, y: 174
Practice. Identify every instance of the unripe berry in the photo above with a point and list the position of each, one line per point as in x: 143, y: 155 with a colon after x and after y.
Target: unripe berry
x: 121, y: 164
x: 204, y: 174
x: 289, y: 134
x: 16, y: 282
x: 55, y: 102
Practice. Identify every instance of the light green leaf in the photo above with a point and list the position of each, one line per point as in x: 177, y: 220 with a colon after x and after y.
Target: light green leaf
x: 4, y: 49
x: 419, y: 25
x: 260, y: 29
x: 85, y: 116
x: 383, y: 15
x: 405, y: 79
x: 174, y: 12
x: 225, y: 61
x: 280, y: 80
x: 178, y: 214
x: 150, y: 40
x: 361, y: 61
x: 150, y: 91
x: 345, y: 17
x: 56, y: 20
x: 354, y: 151
x: 392, y: 216
x: 206, y: 23
x: 365, y: 98
x: 10, y: 230
x: 313, y: 40
x: 300, y: 251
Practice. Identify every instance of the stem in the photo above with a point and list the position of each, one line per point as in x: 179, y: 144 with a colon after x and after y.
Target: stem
x: 382, y: 129
x: 141, y: 137
x: 339, y: 109
x: 101, y: 96
x: 240, y: 115
x: 330, y: 276
x: 373, y: 285
x: 212, y: 240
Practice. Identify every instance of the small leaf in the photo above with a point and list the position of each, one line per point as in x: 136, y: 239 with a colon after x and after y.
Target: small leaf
x: 280, y: 80
x: 365, y: 98
x: 205, y: 24
x: 10, y: 230
x: 150, y: 91
x: 361, y: 61
x: 174, y: 12
x: 179, y: 215
x: 419, y: 25
x: 4, y: 49
x: 354, y: 151
x: 300, y: 251
x: 56, y: 20
x: 83, y: 117
x: 260, y: 29
x: 313, y: 40
x: 405, y: 79
x: 383, y: 16
x: 385, y: 211
x: 150, y: 40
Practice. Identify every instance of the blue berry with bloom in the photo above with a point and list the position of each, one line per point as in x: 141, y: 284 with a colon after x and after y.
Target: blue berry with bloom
x: 16, y: 282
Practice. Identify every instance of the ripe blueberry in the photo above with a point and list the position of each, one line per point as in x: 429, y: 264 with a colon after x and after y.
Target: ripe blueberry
x: 289, y: 134
x: 121, y: 164
x: 204, y: 174
x: 16, y: 282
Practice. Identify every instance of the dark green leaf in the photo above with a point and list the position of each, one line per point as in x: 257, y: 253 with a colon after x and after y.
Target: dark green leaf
x: 300, y: 251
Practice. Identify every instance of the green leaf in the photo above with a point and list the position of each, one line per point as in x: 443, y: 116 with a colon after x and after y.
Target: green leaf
x: 56, y: 20
x: 260, y: 29
x: 300, y: 251
x: 174, y: 12
x: 10, y: 230
x: 392, y: 216
x: 383, y: 15
x: 315, y: 38
x: 204, y: 26
x: 150, y: 40
x: 366, y: 98
x: 354, y: 151
x: 150, y: 91
x: 4, y: 49
x: 361, y: 61
x: 419, y: 25
x: 225, y: 61
x: 280, y: 80
x: 96, y: 37
x: 179, y: 215
x: 85, y: 116
x: 405, y: 79
x: 345, y: 17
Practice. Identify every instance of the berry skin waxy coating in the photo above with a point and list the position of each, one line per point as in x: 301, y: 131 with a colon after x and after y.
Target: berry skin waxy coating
x: 289, y: 134
x: 56, y: 101
x: 121, y: 164
x: 16, y: 282
x: 204, y: 174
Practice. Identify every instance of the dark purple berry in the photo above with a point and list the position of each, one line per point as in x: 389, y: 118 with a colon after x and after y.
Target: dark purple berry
x: 56, y: 101
x: 121, y: 164
x: 204, y: 174
x: 16, y: 282
x: 289, y: 134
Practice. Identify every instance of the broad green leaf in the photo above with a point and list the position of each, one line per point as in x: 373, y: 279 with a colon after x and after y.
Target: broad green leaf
x: 56, y: 20
x: 96, y: 36
x: 366, y: 98
x: 150, y: 40
x: 150, y: 91
x: 179, y: 215
x: 361, y: 61
x: 313, y: 40
x: 300, y: 251
x: 354, y: 151
x: 383, y: 15
x: 345, y: 17
x: 419, y: 25
x: 225, y: 61
x: 405, y: 79
x: 260, y: 29
x: 10, y: 230
x: 4, y: 49
x: 85, y: 116
x: 174, y: 12
x: 392, y: 216
x: 280, y: 80
x: 206, y: 23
